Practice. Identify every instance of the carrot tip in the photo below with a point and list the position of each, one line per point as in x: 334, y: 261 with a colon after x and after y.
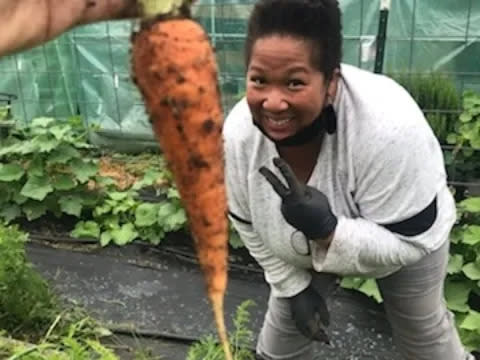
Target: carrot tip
x: 217, y: 305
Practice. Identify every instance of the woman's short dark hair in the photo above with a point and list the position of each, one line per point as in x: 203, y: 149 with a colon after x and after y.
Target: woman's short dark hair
x: 317, y: 21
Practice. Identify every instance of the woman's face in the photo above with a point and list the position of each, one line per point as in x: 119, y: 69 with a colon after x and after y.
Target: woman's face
x: 285, y: 92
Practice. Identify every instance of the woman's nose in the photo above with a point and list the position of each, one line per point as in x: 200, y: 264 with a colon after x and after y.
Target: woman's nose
x: 275, y: 101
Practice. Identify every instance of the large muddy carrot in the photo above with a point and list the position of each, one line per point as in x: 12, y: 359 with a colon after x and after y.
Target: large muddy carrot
x: 175, y: 69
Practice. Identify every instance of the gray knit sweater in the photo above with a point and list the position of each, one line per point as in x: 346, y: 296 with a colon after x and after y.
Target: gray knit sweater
x: 383, y: 165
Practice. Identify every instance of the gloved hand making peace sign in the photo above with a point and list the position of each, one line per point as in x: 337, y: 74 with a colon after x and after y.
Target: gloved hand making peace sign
x: 303, y: 207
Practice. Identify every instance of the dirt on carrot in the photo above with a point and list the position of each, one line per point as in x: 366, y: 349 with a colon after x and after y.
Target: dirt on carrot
x: 175, y: 69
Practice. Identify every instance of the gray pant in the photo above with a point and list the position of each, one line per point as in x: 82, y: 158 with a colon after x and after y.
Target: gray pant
x: 423, y: 328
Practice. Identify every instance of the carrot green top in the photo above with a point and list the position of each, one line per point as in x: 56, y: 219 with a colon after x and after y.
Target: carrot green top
x: 152, y: 8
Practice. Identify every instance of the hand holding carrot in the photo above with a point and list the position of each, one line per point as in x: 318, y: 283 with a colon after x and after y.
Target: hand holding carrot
x: 28, y: 23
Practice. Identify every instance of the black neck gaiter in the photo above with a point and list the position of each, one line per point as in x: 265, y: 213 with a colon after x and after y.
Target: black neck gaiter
x: 325, y: 121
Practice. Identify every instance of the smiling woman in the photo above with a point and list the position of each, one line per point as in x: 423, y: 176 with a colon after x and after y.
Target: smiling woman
x: 357, y: 186
x: 27, y: 23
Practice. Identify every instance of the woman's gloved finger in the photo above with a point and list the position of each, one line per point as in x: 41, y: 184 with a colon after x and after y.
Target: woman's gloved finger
x: 277, y: 185
x: 322, y: 311
x: 296, y: 188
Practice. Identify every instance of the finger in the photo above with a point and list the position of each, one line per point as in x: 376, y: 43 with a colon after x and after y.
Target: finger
x: 277, y: 185
x: 321, y: 336
x: 290, y: 178
x: 318, y: 329
x: 324, y: 313
x: 315, y: 330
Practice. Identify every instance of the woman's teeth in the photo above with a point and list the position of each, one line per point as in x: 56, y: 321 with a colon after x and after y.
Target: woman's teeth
x: 279, y: 121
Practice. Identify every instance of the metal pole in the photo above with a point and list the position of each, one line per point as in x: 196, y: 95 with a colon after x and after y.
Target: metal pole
x: 381, y: 35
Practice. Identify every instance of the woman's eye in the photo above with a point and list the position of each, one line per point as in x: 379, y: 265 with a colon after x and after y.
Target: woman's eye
x: 257, y: 80
x: 295, y: 83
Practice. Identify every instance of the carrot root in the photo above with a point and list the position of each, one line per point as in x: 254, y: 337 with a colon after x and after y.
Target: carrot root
x: 217, y: 305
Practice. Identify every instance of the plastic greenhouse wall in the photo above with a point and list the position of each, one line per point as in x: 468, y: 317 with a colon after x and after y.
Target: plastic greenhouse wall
x: 86, y: 71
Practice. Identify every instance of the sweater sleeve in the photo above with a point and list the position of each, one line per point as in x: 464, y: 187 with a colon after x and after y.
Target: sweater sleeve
x: 398, y: 174
x: 285, y: 280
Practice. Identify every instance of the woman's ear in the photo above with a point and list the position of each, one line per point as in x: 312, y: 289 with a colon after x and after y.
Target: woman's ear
x: 333, y: 85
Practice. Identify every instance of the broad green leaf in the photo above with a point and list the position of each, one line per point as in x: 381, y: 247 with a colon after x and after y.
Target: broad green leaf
x: 59, y: 131
x: 118, y: 195
x: 475, y: 110
x: 124, y: 206
x: 475, y: 143
x: 10, y: 212
x: 472, y: 271
x: 105, y: 238
x: 64, y: 182
x: 124, y: 235
x: 176, y: 220
x: 352, y: 282
x: 471, y: 235
x: 173, y: 193
x: 43, y: 122
x: 370, y: 288
x: 45, y: 143
x: 63, y: 154
x: 165, y: 210
x: 102, y: 209
x: 455, y: 263
x: 146, y: 214
x: 456, y: 236
x: 465, y: 117
x: 83, y: 170
x: 9, y: 149
x: 28, y: 148
x: 471, y: 204
x: 5, y: 193
x: 472, y: 321
x: 18, y: 198
x: 86, y: 229
x: 37, y: 188
x: 456, y: 294
x: 36, y: 166
x: 111, y: 222
x: 34, y: 209
x: 11, y: 172
x: 71, y: 204
x: 235, y: 240
x: 153, y: 235
x: 451, y: 139
x: 470, y: 339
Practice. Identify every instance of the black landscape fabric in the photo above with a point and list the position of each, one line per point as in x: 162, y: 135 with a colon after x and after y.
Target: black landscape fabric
x: 160, y: 294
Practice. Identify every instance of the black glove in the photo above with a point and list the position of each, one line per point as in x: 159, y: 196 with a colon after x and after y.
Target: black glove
x: 303, y: 207
x: 310, y: 313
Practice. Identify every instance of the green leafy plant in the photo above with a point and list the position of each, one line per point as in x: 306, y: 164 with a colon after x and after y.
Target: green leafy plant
x: 26, y: 302
x: 240, y: 340
x: 437, y: 96
x: 462, y: 286
x: 3, y: 112
x: 467, y: 131
x: 463, y: 159
x: 44, y: 167
x: 122, y: 217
